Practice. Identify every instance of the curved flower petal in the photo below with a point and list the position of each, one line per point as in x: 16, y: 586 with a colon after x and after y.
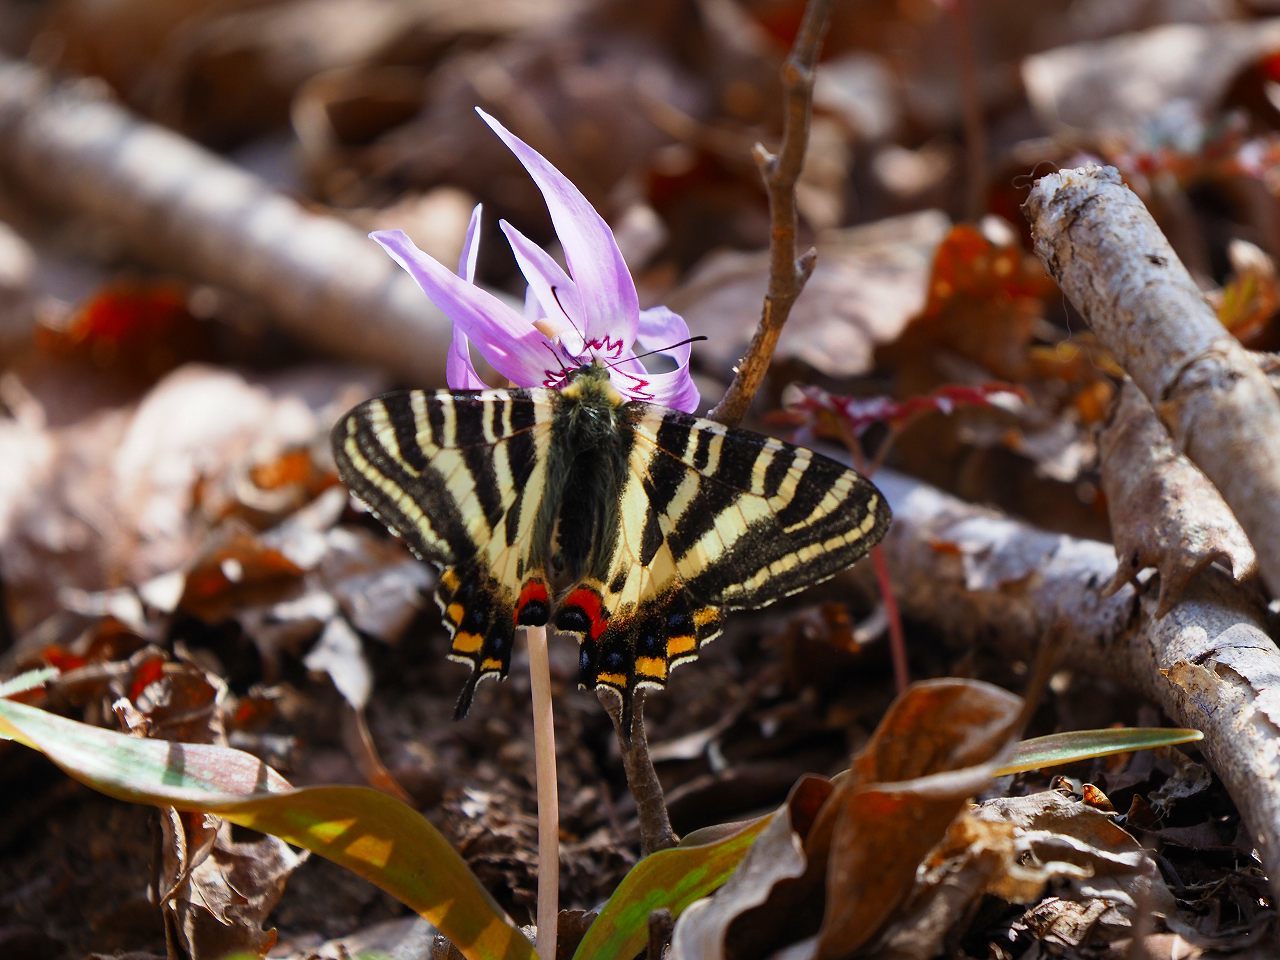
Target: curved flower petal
x: 471, y: 246
x: 516, y: 349
x: 676, y: 389
x: 661, y: 328
x: 459, y: 371
x: 554, y: 289
x: 606, y: 292
x: 664, y: 330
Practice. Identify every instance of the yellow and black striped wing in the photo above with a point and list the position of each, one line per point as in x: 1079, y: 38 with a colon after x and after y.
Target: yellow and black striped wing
x: 460, y: 478
x: 710, y: 517
x: 749, y: 519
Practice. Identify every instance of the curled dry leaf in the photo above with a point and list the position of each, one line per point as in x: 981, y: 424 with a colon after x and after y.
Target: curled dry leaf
x: 937, y: 747
x: 215, y: 891
x: 842, y: 873
x: 1011, y: 848
x: 223, y: 891
x: 1164, y: 512
x: 776, y: 856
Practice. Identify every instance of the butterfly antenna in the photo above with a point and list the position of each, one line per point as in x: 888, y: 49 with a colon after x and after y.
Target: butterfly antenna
x: 649, y: 353
x: 555, y: 292
x: 564, y: 371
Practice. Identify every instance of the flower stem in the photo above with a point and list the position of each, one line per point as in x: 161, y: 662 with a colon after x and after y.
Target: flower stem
x: 544, y: 763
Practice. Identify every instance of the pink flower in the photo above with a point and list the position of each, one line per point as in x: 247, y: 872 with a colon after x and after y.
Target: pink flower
x: 571, y: 317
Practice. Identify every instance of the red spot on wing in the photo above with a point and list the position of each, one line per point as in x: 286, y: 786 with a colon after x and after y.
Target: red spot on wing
x: 534, y: 591
x: 589, y: 602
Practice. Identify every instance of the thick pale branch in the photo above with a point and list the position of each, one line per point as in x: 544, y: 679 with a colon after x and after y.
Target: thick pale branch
x: 1112, y: 261
x: 787, y: 272
x: 1208, y: 663
x: 1164, y: 511
x: 182, y: 208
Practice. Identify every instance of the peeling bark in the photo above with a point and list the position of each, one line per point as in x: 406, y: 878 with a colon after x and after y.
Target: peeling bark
x: 1112, y: 261
x: 1209, y: 663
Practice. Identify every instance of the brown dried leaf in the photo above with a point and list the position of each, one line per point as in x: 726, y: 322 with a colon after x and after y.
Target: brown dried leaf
x: 378, y: 585
x: 776, y: 856
x: 221, y: 895
x: 934, y: 750
x: 1164, y: 512
x: 868, y: 283
x: 1011, y: 848
x: 1120, y: 84
x: 235, y: 569
x: 180, y: 701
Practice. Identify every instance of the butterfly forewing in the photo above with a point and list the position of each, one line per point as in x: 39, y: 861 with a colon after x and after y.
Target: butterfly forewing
x: 459, y: 477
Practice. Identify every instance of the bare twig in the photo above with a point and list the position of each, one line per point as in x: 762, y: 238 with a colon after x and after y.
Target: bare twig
x: 787, y: 273
x: 661, y: 926
x: 1209, y: 663
x: 544, y: 762
x: 1112, y: 261
x: 642, y: 779
x: 180, y: 207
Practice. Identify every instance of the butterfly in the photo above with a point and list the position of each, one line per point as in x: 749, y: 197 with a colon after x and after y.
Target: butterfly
x: 629, y: 525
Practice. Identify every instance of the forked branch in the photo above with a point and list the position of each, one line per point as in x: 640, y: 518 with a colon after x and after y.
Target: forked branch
x: 788, y: 272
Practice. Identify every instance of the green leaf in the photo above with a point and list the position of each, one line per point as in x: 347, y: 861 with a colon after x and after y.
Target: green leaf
x: 27, y: 681
x: 366, y: 831
x: 670, y: 879
x: 1060, y: 748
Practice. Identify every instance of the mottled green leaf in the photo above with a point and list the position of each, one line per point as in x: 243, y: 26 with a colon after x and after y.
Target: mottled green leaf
x: 368, y: 832
x: 669, y: 879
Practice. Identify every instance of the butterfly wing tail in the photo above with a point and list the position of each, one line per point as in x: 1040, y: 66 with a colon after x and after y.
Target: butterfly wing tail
x: 480, y: 626
x: 626, y: 654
